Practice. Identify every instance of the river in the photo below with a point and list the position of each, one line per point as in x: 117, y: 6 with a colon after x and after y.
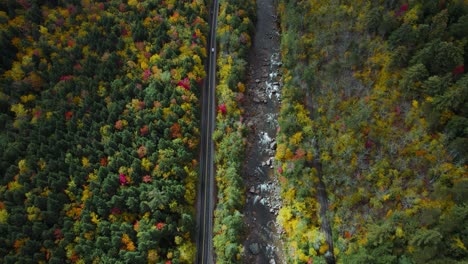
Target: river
x: 262, y: 241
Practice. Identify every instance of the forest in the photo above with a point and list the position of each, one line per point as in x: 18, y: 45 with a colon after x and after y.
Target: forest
x: 375, y: 111
x: 100, y: 129
x: 234, y: 29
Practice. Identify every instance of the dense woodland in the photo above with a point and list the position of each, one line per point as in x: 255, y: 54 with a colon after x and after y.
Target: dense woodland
x: 99, y: 130
x: 375, y: 108
x: 233, y: 37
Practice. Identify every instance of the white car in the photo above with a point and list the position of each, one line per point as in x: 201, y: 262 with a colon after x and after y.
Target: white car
x: 212, y: 50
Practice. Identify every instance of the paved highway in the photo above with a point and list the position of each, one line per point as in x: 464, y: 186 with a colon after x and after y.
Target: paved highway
x: 206, y: 186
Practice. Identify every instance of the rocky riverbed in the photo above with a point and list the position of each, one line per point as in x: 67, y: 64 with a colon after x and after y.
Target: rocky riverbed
x: 263, y: 95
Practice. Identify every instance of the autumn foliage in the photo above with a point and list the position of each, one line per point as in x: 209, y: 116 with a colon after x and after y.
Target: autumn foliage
x: 374, y: 101
x: 96, y: 132
x: 234, y: 21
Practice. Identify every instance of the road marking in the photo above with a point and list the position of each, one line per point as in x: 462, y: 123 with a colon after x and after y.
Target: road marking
x: 207, y: 159
x: 210, y: 115
x: 206, y: 165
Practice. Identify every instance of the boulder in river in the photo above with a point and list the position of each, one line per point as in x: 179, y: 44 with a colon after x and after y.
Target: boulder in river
x: 254, y: 248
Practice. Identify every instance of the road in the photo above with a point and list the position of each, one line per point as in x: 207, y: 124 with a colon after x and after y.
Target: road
x: 206, y: 186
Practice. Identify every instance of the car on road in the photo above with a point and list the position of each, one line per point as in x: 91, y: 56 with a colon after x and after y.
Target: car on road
x: 212, y: 49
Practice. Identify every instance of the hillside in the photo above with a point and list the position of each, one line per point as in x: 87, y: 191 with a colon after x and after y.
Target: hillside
x: 374, y: 113
x: 99, y: 130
